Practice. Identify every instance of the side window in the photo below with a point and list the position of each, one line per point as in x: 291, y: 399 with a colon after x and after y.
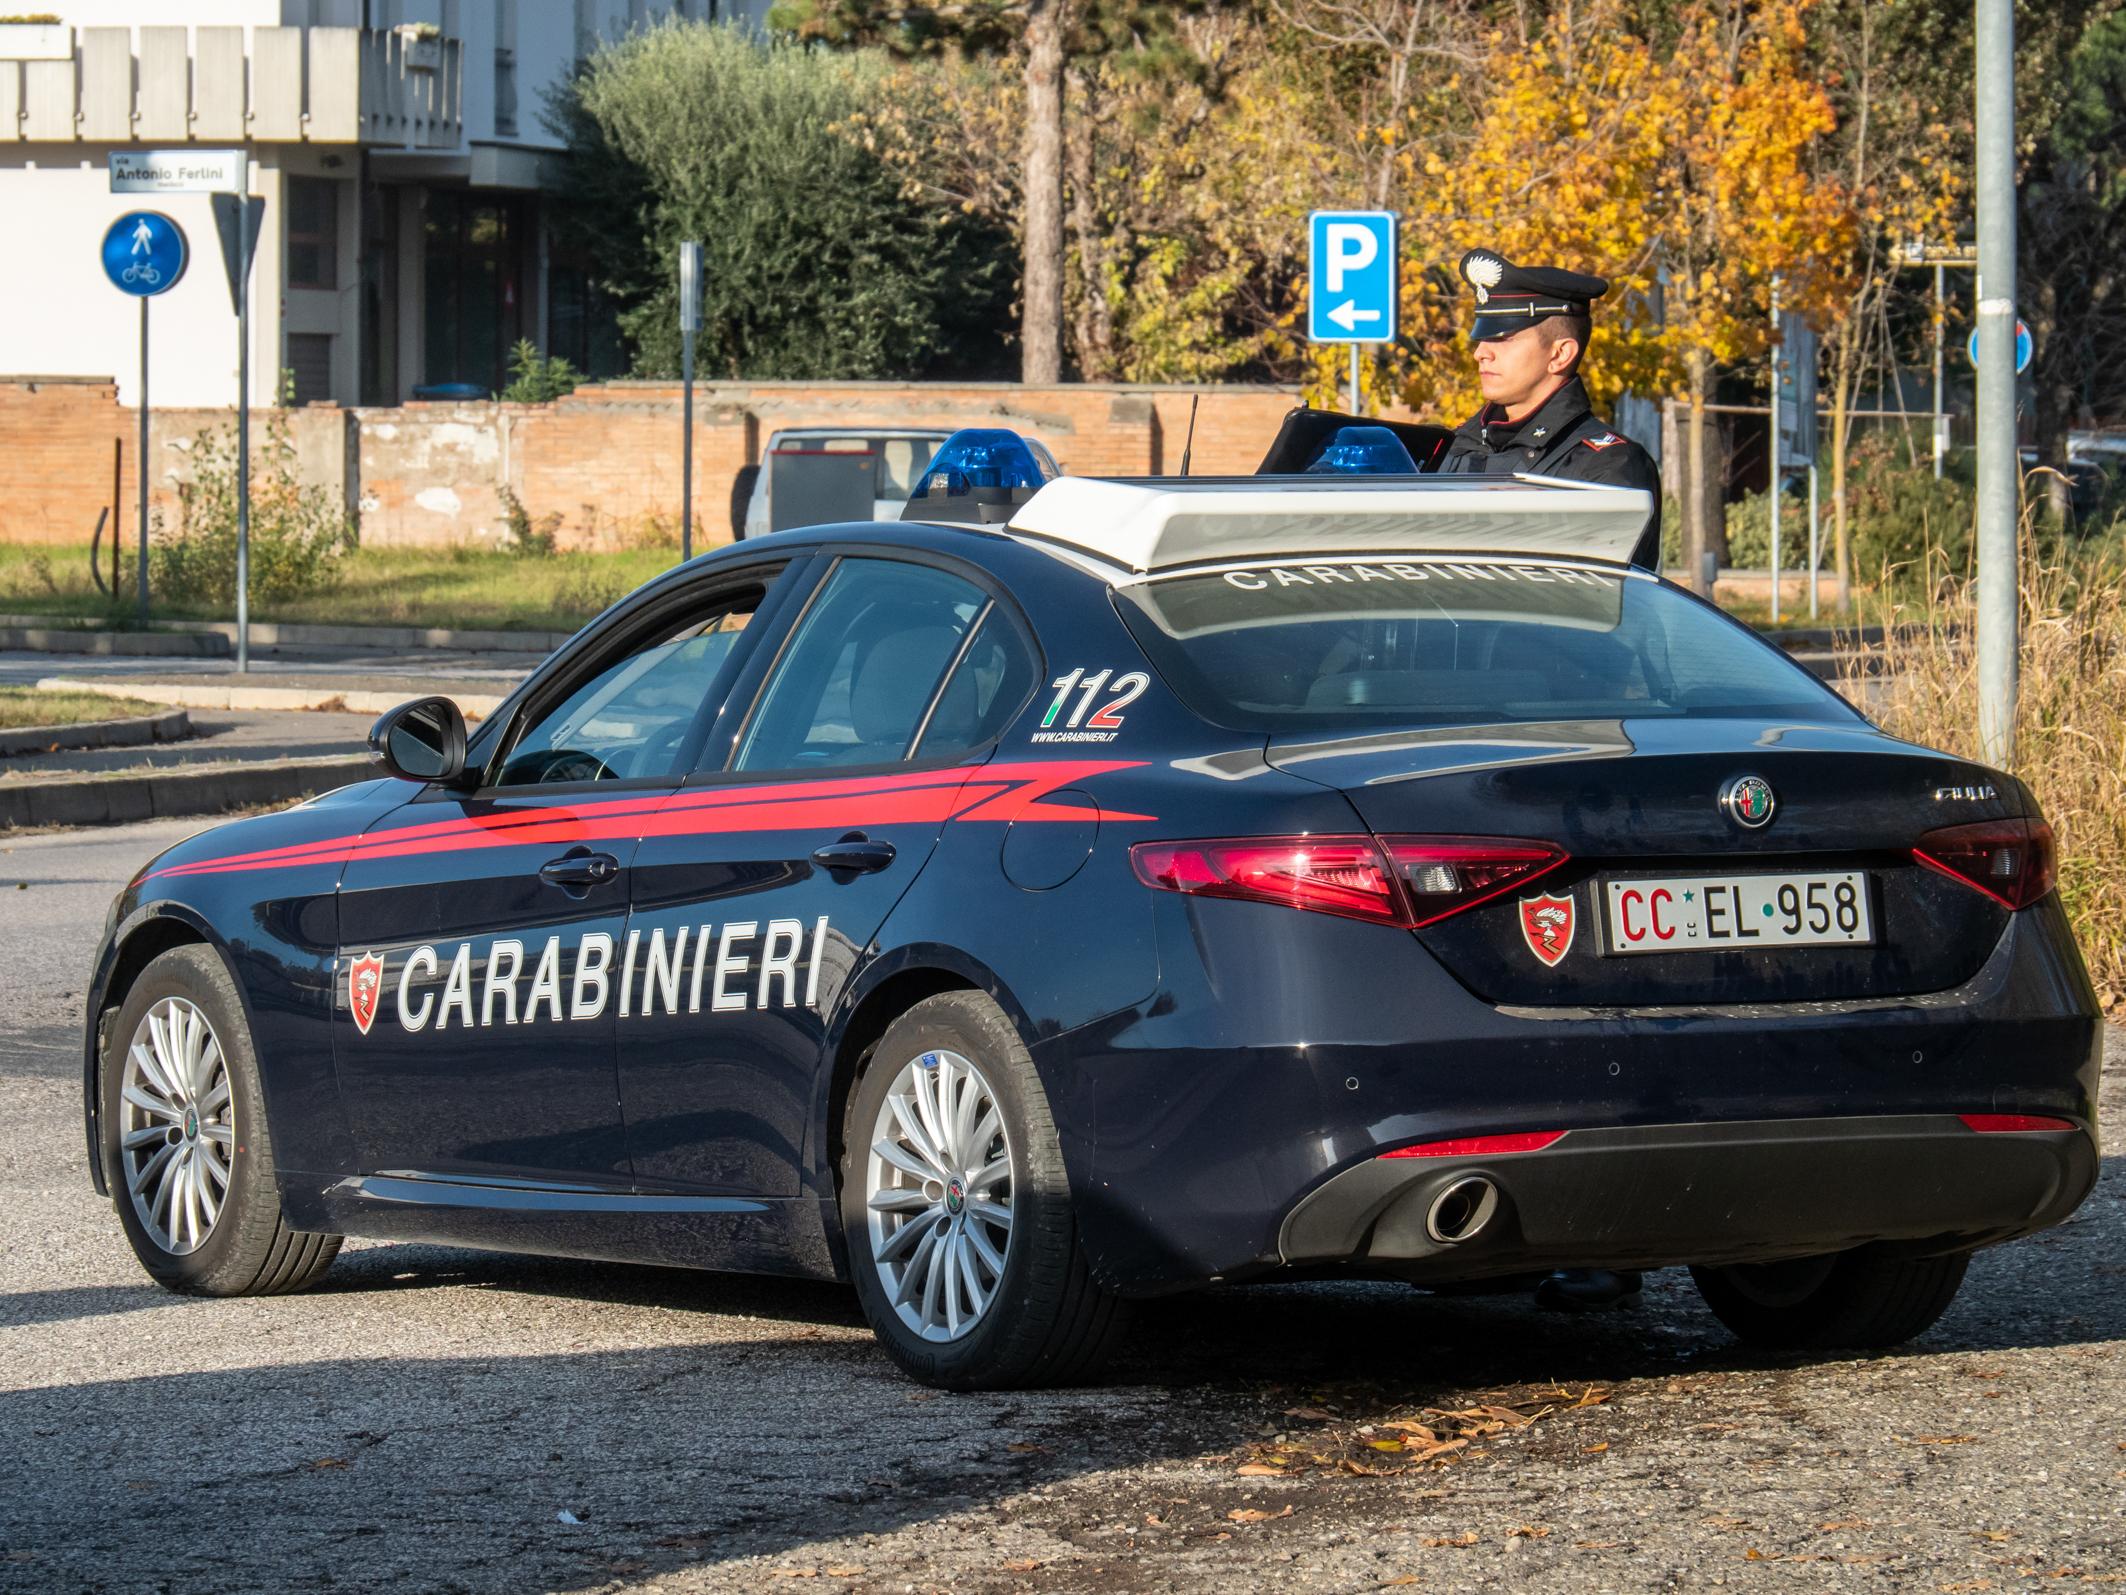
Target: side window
x: 987, y: 688
x: 855, y: 681
x: 630, y: 720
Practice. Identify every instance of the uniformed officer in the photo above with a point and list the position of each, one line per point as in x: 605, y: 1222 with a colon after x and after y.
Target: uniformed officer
x: 1531, y: 330
x: 1532, y: 325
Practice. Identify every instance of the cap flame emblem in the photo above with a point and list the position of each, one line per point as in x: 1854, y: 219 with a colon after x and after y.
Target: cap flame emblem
x: 365, y: 984
x: 1547, y: 926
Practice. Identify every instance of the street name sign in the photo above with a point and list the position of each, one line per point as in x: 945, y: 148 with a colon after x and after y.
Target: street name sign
x: 1352, y: 274
x: 178, y: 172
x: 144, y: 253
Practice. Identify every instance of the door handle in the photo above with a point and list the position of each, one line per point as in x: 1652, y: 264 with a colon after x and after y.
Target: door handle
x: 854, y: 854
x: 580, y: 869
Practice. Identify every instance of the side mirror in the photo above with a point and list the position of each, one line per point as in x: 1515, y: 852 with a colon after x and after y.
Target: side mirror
x: 421, y: 741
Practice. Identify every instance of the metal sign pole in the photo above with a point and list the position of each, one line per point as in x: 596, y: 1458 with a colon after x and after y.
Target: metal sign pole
x: 1941, y: 421
x: 1815, y: 540
x: 243, y: 460
x: 689, y: 324
x: 1999, y: 471
x: 1354, y: 379
x: 140, y: 469
x: 237, y: 218
x: 1777, y: 472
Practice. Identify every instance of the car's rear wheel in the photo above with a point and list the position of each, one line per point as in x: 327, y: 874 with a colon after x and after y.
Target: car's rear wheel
x: 957, y: 1211
x: 186, y: 1143
x: 1852, y: 1301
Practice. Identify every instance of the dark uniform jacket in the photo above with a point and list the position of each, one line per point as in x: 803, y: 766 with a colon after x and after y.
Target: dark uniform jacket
x: 1562, y: 438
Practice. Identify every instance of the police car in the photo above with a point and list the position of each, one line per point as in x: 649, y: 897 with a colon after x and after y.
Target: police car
x: 1103, y: 888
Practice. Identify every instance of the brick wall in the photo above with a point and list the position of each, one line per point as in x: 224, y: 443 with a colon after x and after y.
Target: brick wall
x: 602, y: 465
x: 58, y: 438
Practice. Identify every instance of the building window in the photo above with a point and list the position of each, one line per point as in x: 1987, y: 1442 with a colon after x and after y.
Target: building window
x: 313, y: 232
x: 310, y: 364
x: 506, y: 67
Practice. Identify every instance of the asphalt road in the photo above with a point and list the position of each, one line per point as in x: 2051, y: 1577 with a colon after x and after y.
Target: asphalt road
x: 433, y: 1420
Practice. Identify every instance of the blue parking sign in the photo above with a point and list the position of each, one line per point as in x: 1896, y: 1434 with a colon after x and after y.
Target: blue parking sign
x: 1352, y: 275
x: 144, y: 253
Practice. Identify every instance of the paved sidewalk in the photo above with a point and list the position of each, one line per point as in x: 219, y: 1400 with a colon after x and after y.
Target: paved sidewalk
x: 220, y: 738
x: 490, y: 673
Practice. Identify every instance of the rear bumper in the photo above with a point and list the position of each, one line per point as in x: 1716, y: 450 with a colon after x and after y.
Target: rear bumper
x: 1286, y: 1051
x: 1645, y: 1196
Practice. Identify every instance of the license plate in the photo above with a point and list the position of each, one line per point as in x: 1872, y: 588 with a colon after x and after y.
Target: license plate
x: 1702, y: 913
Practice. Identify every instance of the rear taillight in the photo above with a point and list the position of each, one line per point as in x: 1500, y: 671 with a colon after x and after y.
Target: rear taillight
x: 2014, y: 1123
x: 2012, y: 861
x: 1331, y: 874
x: 1396, y: 880
x: 1443, y: 875
x: 1481, y: 1145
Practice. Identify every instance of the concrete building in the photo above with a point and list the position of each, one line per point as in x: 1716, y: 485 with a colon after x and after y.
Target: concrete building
x: 402, y: 154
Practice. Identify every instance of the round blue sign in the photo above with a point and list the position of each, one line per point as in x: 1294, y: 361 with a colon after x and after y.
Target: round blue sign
x: 2023, y: 347
x: 144, y: 253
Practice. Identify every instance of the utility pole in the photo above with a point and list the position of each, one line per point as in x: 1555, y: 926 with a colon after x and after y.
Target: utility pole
x: 1941, y: 315
x: 1778, y: 471
x: 689, y: 324
x: 1999, y: 470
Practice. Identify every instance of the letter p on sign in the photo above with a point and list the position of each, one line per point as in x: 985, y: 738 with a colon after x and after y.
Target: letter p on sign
x: 1351, y: 276
x: 1352, y: 248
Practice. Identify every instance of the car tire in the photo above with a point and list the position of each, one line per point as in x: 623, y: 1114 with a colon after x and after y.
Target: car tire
x: 1044, y: 1320
x: 1850, y: 1301
x: 742, y: 499
x: 206, y: 1219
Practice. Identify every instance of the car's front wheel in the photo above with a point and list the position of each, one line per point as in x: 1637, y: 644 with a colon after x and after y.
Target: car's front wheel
x: 957, y: 1211
x: 1851, y: 1301
x: 185, y: 1140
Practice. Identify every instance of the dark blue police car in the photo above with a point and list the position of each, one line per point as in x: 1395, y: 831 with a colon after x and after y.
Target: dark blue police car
x: 1106, y: 888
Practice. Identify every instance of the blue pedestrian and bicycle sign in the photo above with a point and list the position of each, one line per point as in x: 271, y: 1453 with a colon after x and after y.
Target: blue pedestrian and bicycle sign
x: 2023, y: 347
x: 144, y: 253
x: 1351, y: 276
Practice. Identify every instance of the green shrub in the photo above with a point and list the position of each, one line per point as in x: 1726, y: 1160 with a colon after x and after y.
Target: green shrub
x: 536, y: 378
x: 298, y: 530
x: 819, y: 261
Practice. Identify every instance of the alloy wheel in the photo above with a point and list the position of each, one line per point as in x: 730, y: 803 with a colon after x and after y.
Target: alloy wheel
x: 177, y: 1138
x: 938, y: 1189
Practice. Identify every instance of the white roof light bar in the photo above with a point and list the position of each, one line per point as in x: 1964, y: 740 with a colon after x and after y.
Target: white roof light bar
x: 1151, y: 525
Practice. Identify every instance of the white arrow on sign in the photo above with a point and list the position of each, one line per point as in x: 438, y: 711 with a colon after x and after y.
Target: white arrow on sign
x: 1347, y: 315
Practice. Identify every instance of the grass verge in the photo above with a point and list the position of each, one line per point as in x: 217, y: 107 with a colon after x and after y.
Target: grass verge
x: 2070, y: 723
x: 24, y: 707
x: 476, y: 589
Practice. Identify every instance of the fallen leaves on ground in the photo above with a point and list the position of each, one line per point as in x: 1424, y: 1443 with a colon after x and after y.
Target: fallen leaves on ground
x: 1441, y: 1542
x: 1255, y: 1514
x: 1021, y: 1564
x: 1944, y: 1439
x: 1399, y: 1443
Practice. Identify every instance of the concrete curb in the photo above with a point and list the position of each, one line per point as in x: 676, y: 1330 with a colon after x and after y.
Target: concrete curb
x: 162, y: 794
x: 126, y: 644
x: 216, y: 639
x: 174, y: 726
x: 212, y: 695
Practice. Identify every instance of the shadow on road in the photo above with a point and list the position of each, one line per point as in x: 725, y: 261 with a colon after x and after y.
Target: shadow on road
x: 781, y: 1426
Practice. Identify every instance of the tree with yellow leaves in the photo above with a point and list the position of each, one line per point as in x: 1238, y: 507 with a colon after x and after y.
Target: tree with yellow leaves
x: 1684, y: 169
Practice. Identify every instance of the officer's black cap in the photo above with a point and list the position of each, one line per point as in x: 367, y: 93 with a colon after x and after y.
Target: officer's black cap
x: 1510, y: 297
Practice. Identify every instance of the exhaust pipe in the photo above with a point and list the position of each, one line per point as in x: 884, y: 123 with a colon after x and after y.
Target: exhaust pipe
x: 1461, y: 1210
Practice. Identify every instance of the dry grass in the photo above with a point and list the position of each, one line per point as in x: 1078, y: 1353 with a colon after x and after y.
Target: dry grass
x: 2070, y: 738
x: 24, y: 707
x: 466, y: 587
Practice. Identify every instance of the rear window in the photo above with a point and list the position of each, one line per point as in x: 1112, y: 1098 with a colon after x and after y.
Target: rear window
x: 1418, y: 641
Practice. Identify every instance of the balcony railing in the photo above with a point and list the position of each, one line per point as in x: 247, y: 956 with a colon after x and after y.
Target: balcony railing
x: 202, y: 85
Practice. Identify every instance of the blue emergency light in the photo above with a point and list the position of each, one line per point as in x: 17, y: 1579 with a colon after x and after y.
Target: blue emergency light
x: 1363, y: 451
x: 980, y: 474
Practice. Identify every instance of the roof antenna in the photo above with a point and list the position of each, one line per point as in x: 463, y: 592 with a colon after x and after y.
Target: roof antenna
x: 1189, y: 442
